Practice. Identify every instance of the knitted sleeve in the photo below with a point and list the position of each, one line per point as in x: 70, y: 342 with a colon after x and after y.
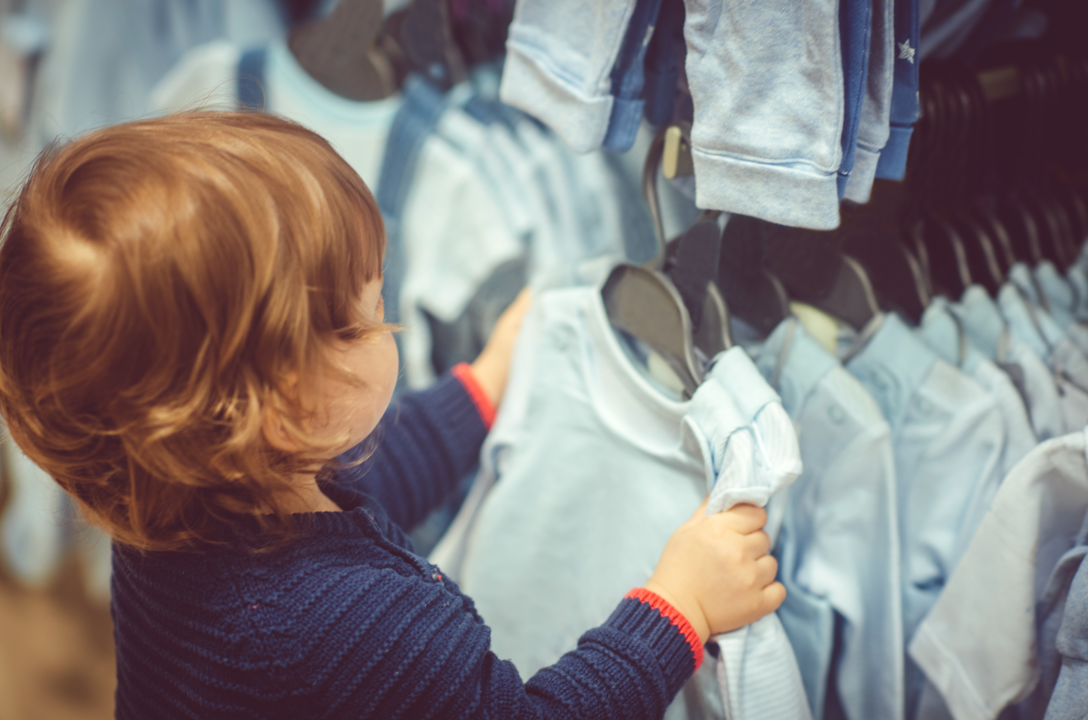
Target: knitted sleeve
x: 426, y: 442
x: 426, y: 656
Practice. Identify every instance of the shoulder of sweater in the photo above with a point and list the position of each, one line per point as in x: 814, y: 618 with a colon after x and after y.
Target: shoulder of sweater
x: 326, y: 618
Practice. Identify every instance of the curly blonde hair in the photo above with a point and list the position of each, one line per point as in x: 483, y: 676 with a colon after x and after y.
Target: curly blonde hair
x: 159, y: 280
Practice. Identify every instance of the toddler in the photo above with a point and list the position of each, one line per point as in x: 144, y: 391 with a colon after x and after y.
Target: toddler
x: 192, y: 344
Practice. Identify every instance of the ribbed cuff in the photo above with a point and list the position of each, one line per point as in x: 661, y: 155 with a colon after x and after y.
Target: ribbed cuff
x: 486, y: 408
x: 795, y: 195
x: 532, y: 87
x: 892, y: 164
x: 859, y: 186
x: 661, y: 626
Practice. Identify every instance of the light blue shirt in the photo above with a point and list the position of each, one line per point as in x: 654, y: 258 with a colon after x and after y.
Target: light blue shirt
x: 591, y: 475
x: 1050, y: 299
x: 1058, y: 291
x: 1035, y: 328
x: 838, y: 549
x: 979, y: 645
x: 987, y: 329
x: 948, y: 437
x: 1061, y: 302
x: 942, y: 331
x: 1077, y: 275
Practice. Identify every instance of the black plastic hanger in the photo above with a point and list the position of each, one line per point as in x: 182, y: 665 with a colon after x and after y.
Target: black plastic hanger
x: 948, y: 265
x: 644, y: 302
x: 896, y: 276
x: 999, y: 237
x: 752, y: 293
x: 1049, y: 228
x: 814, y: 271
x: 693, y: 272
x: 871, y: 235
x: 341, y: 53
x: 420, y: 39
x: 982, y: 259
x: 1077, y: 212
x: 1023, y: 235
x: 694, y: 269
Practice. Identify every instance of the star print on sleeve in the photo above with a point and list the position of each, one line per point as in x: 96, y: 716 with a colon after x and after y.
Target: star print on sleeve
x: 906, y: 52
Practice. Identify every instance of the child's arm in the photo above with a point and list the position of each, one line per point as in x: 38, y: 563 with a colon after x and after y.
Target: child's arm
x: 389, y: 644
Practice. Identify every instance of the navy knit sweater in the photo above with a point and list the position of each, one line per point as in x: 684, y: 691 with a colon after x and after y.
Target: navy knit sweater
x: 347, y: 622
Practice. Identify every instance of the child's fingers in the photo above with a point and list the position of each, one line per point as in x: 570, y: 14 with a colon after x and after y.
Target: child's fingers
x: 758, y: 544
x: 745, y: 519
x: 772, y: 597
x: 766, y: 570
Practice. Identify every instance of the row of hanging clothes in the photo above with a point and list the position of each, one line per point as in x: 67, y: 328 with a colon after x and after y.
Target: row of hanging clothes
x: 899, y: 379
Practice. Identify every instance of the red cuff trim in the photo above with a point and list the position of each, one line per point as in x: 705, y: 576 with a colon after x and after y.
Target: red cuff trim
x: 486, y: 408
x: 668, y: 611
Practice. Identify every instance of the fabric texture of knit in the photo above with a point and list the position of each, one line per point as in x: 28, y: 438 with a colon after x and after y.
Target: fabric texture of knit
x: 346, y: 621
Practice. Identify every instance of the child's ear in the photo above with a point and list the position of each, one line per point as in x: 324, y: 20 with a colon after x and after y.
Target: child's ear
x: 275, y: 434
x: 273, y: 423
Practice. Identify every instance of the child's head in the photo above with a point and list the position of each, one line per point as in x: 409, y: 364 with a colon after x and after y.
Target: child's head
x: 180, y: 299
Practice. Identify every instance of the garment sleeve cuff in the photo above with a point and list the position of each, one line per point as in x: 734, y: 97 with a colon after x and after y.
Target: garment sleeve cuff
x: 666, y: 610
x: 486, y: 408
x: 666, y: 632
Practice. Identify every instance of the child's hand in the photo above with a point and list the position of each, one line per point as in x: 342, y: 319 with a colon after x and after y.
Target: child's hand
x: 716, y: 570
x: 492, y: 367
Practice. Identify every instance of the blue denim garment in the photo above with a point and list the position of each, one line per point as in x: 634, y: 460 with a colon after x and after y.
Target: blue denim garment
x: 978, y: 646
x: 838, y: 548
x: 904, y: 110
x: 662, y: 67
x: 629, y: 77
x: 875, y: 104
x: 767, y: 82
x: 559, y: 61
x: 1070, y: 695
x: 943, y: 426
x: 855, y: 31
